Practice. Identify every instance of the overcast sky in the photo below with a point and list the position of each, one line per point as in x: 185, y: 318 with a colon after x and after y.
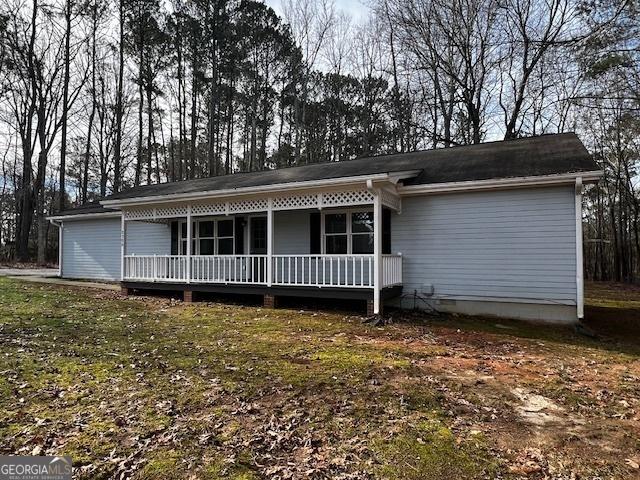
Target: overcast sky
x: 356, y: 8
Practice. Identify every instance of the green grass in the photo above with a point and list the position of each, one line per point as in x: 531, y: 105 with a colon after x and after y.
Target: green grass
x: 429, y: 451
x: 111, y: 374
x: 156, y: 390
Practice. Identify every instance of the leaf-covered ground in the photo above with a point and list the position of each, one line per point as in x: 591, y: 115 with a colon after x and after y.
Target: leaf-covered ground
x: 155, y: 389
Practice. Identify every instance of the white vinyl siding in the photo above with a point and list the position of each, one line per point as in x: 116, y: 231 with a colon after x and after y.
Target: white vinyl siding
x: 147, y: 238
x: 291, y: 232
x: 91, y: 249
x: 513, y: 245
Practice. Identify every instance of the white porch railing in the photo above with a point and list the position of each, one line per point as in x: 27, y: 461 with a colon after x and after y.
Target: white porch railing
x: 391, y: 270
x: 156, y: 268
x: 249, y: 269
x: 354, y: 271
x: 346, y: 271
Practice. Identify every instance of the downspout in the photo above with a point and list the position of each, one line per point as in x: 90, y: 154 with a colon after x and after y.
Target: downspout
x: 579, y: 253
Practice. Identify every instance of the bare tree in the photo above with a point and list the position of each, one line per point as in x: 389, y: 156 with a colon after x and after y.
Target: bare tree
x: 311, y: 24
x: 531, y: 29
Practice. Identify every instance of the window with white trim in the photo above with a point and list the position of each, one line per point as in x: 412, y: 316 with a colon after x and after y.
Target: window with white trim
x: 209, y: 237
x: 348, y: 233
x: 224, y: 237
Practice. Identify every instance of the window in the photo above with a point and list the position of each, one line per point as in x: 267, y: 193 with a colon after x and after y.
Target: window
x: 206, y: 237
x: 210, y: 237
x: 335, y: 229
x: 225, y: 237
x: 362, y: 232
x: 183, y: 238
x: 348, y: 233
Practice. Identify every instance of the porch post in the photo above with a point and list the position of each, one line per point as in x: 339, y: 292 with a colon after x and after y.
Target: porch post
x: 123, y: 245
x: 377, y: 251
x: 269, y: 241
x: 188, y: 244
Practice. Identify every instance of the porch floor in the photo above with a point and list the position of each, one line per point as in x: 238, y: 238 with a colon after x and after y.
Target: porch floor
x: 276, y: 291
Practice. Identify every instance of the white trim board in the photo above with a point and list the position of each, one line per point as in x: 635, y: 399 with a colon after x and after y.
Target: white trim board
x: 359, y: 180
x: 83, y: 216
x: 579, y: 252
x: 500, y: 184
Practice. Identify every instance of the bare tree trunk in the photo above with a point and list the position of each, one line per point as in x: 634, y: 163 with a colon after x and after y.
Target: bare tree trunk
x: 194, y: 118
x: 178, y: 163
x: 149, y: 129
x: 26, y: 192
x: 42, y: 228
x: 87, y: 156
x: 65, y: 105
x: 117, y: 154
x: 139, y: 160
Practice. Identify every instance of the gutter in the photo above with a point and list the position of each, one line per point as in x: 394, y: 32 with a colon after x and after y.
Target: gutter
x: 82, y: 216
x: 502, y: 183
x: 392, y: 177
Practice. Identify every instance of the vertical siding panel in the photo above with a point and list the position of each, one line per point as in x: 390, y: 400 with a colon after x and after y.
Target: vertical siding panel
x: 291, y: 232
x: 91, y: 248
x: 513, y: 244
x: 148, y: 238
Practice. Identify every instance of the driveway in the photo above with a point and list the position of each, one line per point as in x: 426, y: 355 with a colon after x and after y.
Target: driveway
x: 28, y: 272
x: 50, y: 275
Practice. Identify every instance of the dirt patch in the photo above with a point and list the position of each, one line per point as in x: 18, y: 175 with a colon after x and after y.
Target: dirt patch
x: 536, y: 409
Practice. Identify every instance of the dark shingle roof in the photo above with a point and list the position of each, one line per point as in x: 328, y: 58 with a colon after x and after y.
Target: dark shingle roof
x: 91, y: 207
x: 532, y: 156
x: 543, y: 155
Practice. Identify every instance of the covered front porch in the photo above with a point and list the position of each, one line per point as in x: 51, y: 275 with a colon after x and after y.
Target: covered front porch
x: 345, y: 271
x: 331, y: 242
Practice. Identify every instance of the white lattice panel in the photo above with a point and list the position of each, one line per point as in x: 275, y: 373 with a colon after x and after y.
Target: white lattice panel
x: 391, y: 200
x: 294, y: 202
x: 253, y: 205
x: 174, y: 211
x: 345, y: 199
x: 139, y: 214
x: 288, y: 202
x: 208, y: 208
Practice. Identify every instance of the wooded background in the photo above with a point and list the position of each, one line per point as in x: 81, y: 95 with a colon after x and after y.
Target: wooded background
x: 100, y: 95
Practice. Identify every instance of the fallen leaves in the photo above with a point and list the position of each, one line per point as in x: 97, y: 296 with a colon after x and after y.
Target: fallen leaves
x: 633, y: 463
x: 153, y: 388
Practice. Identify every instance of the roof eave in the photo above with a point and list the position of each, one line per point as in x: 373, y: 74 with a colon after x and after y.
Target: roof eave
x: 501, y: 183
x: 83, y: 216
x: 391, y: 177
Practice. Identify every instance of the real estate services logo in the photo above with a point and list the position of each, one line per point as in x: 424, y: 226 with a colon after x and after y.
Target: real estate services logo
x: 35, y: 468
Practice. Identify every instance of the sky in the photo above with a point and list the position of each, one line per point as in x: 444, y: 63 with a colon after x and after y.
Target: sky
x: 356, y: 8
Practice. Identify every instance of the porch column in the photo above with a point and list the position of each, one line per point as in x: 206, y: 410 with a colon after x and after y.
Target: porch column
x: 269, y: 241
x: 377, y: 252
x: 123, y: 245
x: 188, y: 244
